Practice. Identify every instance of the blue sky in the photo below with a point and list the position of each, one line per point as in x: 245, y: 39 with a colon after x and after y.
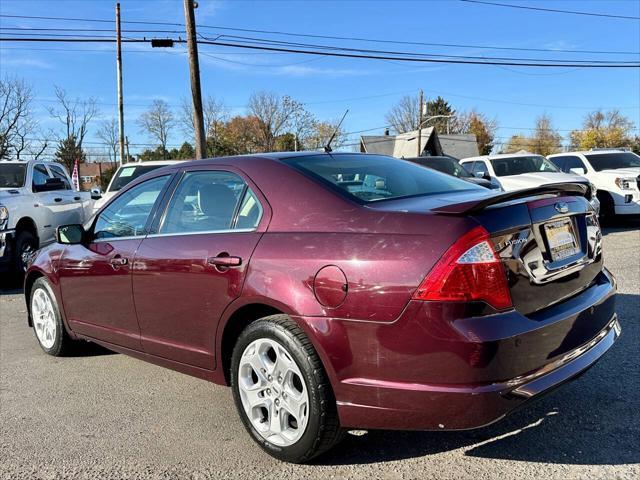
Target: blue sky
x: 513, y: 95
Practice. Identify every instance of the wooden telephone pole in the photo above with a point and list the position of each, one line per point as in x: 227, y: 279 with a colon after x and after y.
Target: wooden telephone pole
x: 420, y: 123
x: 194, y: 67
x: 120, y: 99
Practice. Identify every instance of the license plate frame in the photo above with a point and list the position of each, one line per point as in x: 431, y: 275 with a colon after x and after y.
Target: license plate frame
x: 562, y: 240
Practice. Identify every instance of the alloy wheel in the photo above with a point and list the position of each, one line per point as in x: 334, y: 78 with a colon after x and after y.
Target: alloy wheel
x: 44, y: 318
x: 273, y: 392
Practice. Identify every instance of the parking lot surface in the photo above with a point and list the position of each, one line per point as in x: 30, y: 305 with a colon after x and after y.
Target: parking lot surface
x: 105, y: 415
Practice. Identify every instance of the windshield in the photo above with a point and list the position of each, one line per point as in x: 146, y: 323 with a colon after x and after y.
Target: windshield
x: 519, y: 165
x: 446, y: 165
x: 126, y: 174
x: 12, y: 175
x: 611, y: 161
x: 369, y: 178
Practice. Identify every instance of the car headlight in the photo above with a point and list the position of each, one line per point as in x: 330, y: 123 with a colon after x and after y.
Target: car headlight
x: 4, y: 217
x: 594, y: 189
x: 625, y: 183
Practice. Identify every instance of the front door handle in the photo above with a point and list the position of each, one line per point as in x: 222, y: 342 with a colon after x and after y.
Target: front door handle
x: 76, y: 198
x: 118, y: 261
x: 57, y: 199
x: 224, y: 261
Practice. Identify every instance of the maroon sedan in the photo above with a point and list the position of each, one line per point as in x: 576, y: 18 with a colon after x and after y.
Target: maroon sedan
x: 336, y: 291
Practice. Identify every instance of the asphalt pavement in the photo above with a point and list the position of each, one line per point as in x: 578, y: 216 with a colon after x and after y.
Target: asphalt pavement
x: 106, y: 415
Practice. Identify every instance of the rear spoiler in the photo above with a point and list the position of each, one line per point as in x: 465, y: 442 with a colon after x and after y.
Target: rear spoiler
x: 575, y: 189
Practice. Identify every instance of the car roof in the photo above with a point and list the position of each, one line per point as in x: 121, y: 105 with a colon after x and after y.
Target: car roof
x: 152, y: 162
x: 501, y: 155
x: 593, y: 152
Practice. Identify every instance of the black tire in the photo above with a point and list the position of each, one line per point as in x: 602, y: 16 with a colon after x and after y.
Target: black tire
x: 607, y: 208
x: 26, y: 245
x: 323, y: 427
x: 63, y: 343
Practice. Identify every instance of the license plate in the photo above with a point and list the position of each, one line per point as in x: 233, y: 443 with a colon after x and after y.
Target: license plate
x: 562, y: 239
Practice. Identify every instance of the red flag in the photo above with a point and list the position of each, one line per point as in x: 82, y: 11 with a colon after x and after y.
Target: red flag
x: 74, y: 176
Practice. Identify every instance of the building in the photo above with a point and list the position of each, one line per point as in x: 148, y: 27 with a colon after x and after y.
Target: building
x: 405, y: 145
x: 90, y: 173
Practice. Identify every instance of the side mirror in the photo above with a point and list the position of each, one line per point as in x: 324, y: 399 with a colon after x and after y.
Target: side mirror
x: 578, y: 171
x: 96, y: 194
x: 70, y: 234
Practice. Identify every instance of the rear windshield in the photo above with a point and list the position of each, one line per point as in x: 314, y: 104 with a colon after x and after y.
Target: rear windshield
x: 12, y: 175
x: 370, y: 178
x: 611, y: 161
x: 126, y: 174
x: 519, y: 165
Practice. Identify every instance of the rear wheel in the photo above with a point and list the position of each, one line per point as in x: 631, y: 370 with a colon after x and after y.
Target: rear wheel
x: 47, y: 321
x: 282, y: 392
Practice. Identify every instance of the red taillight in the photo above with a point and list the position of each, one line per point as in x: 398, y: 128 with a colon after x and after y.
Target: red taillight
x: 470, y: 270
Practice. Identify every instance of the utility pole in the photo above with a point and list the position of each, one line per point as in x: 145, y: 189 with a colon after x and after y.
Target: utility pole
x: 420, y: 123
x: 120, y: 100
x: 127, y: 143
x: 194, y: 67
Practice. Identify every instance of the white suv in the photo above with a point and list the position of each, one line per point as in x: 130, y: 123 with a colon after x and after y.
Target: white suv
x: 517, y: 171
x: 615, y: 172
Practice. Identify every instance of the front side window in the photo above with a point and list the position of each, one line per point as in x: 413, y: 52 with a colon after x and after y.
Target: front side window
x: 519, y: 165
x: 612, y: 161
x: 370, y: 178
x: 40, y: 175
x: 128, y: 214
x: 573, y: 162
x: 58, y: 173
x: 210, y: 201
x: 12, y: 175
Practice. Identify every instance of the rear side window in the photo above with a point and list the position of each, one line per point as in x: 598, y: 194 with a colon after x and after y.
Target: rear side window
x: 370, y: 178
x: 607, y: 161
x: 479, y: 167
x: 210, y: 201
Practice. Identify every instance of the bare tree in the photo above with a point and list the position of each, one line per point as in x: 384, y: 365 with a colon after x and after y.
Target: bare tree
x: 74, y: 114
x: 404, y: 115
x: 16, y: 122
x: 109, y: 134
x: 274, y: 114
x: 157, y: 123
x: 215, y: 112
x: 303, y: 128
x: 477, y: 123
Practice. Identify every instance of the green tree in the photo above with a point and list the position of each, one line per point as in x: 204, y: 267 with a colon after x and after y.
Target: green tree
x: 439, y: 108
x: 185, y: 152
x: 480, y: 125
x: 516, y: 144
x: 158, y: 153
x: 106, y: 177
x: 68, y: 152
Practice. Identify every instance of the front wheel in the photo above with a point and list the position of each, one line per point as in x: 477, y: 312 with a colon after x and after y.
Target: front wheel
x: 47, y: 321
x: 282, y: 392
x: 26, y: 246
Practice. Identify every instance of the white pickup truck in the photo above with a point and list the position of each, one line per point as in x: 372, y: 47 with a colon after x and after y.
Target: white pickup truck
x: 35, y: 198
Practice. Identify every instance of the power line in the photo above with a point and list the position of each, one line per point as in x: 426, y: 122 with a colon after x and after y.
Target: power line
x: 330, y: 37
x: 346, y: 54
x: 552, y: 10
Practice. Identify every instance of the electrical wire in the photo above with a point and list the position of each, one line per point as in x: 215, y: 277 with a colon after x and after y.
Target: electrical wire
x: 551, y: 10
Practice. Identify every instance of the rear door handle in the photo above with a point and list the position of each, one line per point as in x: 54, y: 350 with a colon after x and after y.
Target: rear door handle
x: 57, y: 199
x: 76, y: 198
x: 225, y: 261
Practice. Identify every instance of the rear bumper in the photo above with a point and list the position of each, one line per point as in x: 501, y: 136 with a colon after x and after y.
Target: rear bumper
x: 430, y: 370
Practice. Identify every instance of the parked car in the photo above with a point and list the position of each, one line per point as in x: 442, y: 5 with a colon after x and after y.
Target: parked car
x: 35, y: 197
x: 515, y: 171
x: 127, y: 173
x: 614, y: 172
x: 433, y: 304
x: 451, y: 166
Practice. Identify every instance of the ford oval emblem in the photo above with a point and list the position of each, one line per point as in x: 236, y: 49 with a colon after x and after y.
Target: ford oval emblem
x: 561, y: 207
